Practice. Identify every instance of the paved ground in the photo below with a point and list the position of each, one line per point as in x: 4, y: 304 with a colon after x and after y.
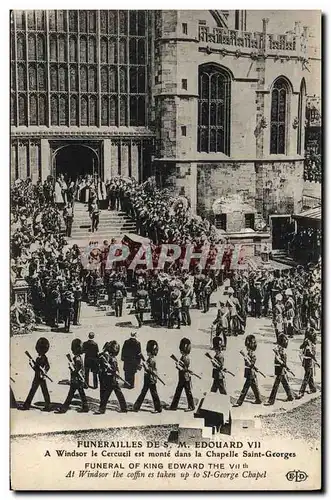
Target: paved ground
x: 109, y: 328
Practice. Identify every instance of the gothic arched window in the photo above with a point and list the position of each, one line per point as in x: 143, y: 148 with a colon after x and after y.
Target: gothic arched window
x: 214, y: 110
x: 301, y: 117
x: 279, y: 112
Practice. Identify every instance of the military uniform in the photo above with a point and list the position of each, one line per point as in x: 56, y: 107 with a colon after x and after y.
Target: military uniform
x: 207, y: 288
x: 77, y: 380
x: 141, y: 300
x: 41, y: 364
x: 184, y: 377
x: 218, y: 374
x: 119, y: 294
x: 222, y: 324
x: 187, y: 296
x: 308, y: 363
x: 77, y: 303
x: 175, y: 308
x: 67, y: 309
x: 281, y: 375
x: 150, y: 380
x: 250, y: 372
x: 289, y: 313
x: 108, y: 380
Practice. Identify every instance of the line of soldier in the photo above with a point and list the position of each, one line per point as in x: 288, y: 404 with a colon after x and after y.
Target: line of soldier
x: 105, y: 366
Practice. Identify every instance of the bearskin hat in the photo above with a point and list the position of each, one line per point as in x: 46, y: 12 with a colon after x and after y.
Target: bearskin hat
x: 113, y: 348
x: 250, y: 342
x: 283, y: 340
x: 76, y: 347
x: 217, y: 343
x: 42, y: 345
x: 185, y: 346
x: 152, y: 347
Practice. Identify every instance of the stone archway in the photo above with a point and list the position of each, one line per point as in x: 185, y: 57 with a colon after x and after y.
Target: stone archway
x: 74, y: 160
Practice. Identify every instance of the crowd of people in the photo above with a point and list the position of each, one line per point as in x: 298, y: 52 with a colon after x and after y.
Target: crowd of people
x: 58, y: 279
x: 313, y: 167
x: 41, y: 256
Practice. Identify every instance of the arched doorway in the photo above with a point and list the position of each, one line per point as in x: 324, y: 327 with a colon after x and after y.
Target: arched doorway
x: 76, y: 160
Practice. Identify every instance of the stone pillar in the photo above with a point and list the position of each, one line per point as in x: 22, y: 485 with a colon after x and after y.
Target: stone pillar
x: 13, y: 162
x: 34, y: 161
x: 22, y: 159
x: 114, y: 157
x: 134, y: 160
x: 124, y: 159
x: 107, y: 147
x: 45, y: 159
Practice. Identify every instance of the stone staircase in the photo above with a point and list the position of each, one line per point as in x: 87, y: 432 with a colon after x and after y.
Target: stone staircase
x: 112, y: 224
x: 282, y: 257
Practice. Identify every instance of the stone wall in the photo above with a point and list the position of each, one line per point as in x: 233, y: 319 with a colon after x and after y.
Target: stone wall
x: 279, y: 187
x: 215, y: 180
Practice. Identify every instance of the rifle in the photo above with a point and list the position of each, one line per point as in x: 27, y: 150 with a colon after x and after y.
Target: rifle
x: 73, y: 370
x: 217, y: 365
x: 147, y: 369
x: 281, y: 363
x: 33, y: 365
x: 253, y: 367
x: 181, y: 364
x: 117, y: 374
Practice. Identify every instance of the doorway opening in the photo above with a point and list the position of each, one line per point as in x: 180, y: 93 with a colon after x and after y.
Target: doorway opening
x: 75, y: 161
x: 282, y: 228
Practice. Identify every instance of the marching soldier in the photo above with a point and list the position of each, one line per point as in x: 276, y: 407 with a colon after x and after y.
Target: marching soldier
x: 234, y: 308
x: 207, y: 288
x: 131, y: 356
x: 68, y: 307
x: 289, y: 313
x: 222, y: 322
x: 109, y: 377
x: 141, y: 302
x: 175, y: 307
x: 308, y: 362
x: 119, y: 294
x: 281, y: 370
x: 40, y: 367
x: 278, y: 313
x: 150, y: 378
x: 187, y: 296
x: 78, y: 290
x: 77, y: 380
x: 250, y: 372
x: 91, y: 350
x: 218, y: 373
x: 184, y: 376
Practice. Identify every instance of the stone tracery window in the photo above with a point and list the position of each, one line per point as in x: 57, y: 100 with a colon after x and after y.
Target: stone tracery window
x: 279, y: 112
x: 301, y: 126
x: 214, y: 109
x: 62, y: 61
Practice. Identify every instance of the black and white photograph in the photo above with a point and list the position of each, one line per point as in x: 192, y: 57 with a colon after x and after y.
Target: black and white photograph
x: 165, y: 250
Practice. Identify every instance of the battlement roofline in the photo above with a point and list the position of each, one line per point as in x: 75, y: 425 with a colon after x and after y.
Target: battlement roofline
x: 291, y: 43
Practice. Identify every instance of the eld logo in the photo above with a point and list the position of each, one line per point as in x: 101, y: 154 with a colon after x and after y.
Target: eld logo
x: 296, y: 475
